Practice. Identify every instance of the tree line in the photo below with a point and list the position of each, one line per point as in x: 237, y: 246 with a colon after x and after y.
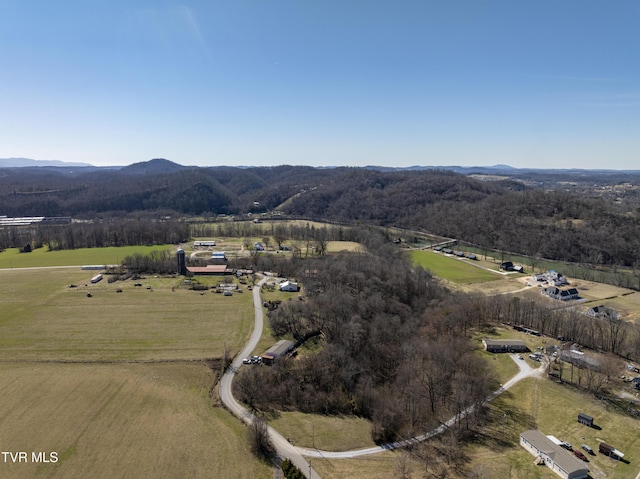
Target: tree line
x: 96, y: 234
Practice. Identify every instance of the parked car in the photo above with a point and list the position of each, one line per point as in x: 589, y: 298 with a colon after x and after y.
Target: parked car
x: 579, y: 455
x: 587, y: 448
x: 567, y: 445
x: 246, y: 361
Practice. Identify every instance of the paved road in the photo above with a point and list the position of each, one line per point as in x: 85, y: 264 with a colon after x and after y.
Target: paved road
x: 526, y: 371
x: 284, y: 448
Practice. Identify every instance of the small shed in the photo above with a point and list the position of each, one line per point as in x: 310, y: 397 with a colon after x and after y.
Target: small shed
x: 610, y: 451
x: 586, y: 420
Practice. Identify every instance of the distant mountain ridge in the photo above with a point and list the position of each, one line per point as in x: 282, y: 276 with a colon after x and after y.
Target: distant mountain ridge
x: 28, y: 162
x: 157, y: 166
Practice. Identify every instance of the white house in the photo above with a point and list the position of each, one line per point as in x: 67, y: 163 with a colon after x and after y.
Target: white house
x: 289, y: 286
x: 556, y: 458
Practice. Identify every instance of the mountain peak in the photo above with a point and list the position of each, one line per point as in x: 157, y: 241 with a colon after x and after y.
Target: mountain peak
x: 156, y: 166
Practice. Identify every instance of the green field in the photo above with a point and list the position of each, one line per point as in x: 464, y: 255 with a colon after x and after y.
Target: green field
x: 452, y: 269
x: 12, y: 258
x: 41, y: 317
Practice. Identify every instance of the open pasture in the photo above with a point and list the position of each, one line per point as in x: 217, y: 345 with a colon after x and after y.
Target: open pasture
x: 42, y: 318
x: 12, y: 258
x: 120, y: 420
x: 452, y: 269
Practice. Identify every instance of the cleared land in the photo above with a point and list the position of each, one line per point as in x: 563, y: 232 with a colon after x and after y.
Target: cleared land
x: 12, y: 258
x: 378, y: 466
x: 120, y: 418
x: 335, y: 433
x: 134, y: 420
x: 452, y: 269
x: 42, y: 318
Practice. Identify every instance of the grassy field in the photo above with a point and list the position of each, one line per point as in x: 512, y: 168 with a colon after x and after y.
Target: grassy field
x: 41, y: 318
x: 12, y: 258
x: 553, y: 408
x: 102, y: 414
x: 376, y: 466
x: 134, y: 420
x: 335, y: 433
x: 451, y: 269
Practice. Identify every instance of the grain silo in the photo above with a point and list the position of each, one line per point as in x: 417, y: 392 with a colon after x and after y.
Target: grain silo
x: 182, y: 263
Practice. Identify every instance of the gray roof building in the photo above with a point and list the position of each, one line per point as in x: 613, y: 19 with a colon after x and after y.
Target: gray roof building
x: 504, y: 345
x: 559, y: 460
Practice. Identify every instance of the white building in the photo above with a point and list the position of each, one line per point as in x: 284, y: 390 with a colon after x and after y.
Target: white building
x: 556, y: 458
x: 289, y: 286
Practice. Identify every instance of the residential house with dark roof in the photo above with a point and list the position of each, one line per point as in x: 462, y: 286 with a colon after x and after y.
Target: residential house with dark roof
x: 504, y: 345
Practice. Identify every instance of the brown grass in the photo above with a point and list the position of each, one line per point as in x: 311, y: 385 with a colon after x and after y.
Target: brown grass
x: 336, y: 433
x: 378, y: 466
x: 41, y: 318
x: 108, y: 421
x: 553, y: 408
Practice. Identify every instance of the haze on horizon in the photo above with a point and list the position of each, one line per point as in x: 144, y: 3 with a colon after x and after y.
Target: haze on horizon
x: 331, y: 83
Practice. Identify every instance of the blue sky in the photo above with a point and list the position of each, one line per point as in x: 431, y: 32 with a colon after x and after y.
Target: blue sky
x: 548, y: 84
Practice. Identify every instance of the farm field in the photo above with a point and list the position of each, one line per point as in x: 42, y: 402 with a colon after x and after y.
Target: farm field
x: 112, y: 383
x: 451, y: 269
x: 42, y: 318
x: 120, y: 420
x: 40, y: 257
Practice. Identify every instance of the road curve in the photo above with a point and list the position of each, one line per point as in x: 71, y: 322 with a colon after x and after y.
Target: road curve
x: 283, y: 447
x: 526, y: 371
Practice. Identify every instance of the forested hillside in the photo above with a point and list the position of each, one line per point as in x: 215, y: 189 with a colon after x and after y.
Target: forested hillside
x: 552, y: 223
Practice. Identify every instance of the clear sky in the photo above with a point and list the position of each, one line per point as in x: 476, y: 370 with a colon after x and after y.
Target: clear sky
x: 545, y: 83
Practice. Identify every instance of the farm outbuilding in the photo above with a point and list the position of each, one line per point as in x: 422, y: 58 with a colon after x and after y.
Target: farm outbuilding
x: 276, y: 351
x: 504, y: 345
x: 586, y: 420
x: 547, y: 452
x: 610, y: 451
x: 210, y: 269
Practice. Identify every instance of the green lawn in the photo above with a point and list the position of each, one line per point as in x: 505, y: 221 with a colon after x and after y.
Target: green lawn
x: 12, y: 258
x: 452, y: 269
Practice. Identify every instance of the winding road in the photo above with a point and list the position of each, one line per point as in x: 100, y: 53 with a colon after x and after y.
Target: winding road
x: 283, y: 447
x: 526, y: 371
x: 297, y: 454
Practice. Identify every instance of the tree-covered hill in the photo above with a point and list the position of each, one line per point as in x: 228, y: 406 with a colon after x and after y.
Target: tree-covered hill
x: 578, y: 225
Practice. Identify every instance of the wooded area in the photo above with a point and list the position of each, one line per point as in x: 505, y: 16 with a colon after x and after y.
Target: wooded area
x: 382, y: 356
x: 507, y: 215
